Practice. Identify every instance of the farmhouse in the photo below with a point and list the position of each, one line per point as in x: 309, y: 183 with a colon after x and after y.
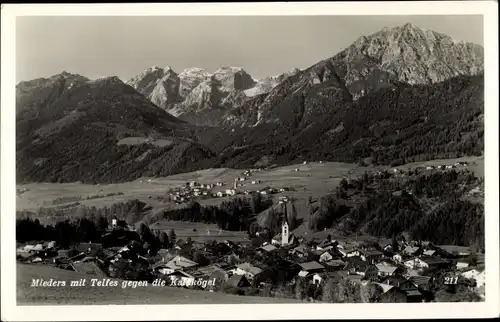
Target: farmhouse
x: 422, y: 282
x: 355, y: 265
x: 335, y: 264
x: 372, y: 256
x: 410, y: 250
x: 429, y: 252
x: 248, y: 270
x: 237, y: 281
x: 180, y: 262
x: 268, y: 248
x: 388, y: 270
x: 89, y: 267
x: 309, y: 268
x: 319, y: 278
x: 425, y: 262
x: 477, y: 275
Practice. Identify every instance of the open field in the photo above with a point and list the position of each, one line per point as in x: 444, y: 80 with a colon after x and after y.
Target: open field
x: 87, y: 295
x: 313, y: 179
x: 203, y: 233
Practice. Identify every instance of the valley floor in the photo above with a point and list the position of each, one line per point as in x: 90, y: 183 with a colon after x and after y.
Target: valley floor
x: 313, y: 179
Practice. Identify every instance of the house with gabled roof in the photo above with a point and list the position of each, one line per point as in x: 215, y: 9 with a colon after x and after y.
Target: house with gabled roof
x: 371, y: 256
x: 237, y: 281
x: 334, y: 264
x: 88, y: 267
x: 180, y: 263
x: 309, y: 268
x: 327, y: 244
x: 321, y: 277
x: 248, y: 270
x: 394, y: 280
x: 425, y: 262
x: 411, y: 292
x: 411, y: 250
x: 300, y: 251
x: 388, y: 270
x: 355, y: 265
x: 422, y: 282
x: 181, y: 278
x: 268, y: 248
x: 475, y: 274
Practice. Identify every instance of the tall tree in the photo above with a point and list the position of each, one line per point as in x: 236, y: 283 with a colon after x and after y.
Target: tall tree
x: 171, y: 237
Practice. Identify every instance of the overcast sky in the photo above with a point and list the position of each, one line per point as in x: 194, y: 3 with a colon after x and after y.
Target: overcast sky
x: 263, y: 45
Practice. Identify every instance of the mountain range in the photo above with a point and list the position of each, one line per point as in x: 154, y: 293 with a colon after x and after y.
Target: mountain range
x: 399, y: 95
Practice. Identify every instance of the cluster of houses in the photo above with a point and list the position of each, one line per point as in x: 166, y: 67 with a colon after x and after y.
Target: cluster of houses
x: 398, y: 273
x: 192, y: 189
x: 456, y: 165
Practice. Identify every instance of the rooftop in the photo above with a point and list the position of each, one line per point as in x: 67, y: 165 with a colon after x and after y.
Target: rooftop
x: 311, y: 266
x: 247, y: 267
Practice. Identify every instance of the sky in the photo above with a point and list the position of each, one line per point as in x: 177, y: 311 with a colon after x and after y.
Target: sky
x: 124, y: 46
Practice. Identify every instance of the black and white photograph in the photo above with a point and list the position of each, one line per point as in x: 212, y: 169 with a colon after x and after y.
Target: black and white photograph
x: 215, y: 155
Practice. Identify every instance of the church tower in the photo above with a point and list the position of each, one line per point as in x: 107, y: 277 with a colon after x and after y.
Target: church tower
x: 285, y: 228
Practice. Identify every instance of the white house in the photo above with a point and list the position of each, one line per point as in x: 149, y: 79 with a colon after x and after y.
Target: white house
x: 476, y: 275
x: 231, y: 192
x: 462, y: 265
x: 325, y: 257
x: 220, y: 194
x: 423, y: 262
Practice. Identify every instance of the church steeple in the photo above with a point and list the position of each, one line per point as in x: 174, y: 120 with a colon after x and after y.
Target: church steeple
x: 285, y: 228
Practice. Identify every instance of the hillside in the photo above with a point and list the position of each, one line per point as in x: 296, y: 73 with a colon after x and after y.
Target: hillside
x: 396, y: 125
x: 100, y: 130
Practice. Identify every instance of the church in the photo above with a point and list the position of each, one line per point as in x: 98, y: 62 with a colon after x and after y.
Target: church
x: 285, y: 238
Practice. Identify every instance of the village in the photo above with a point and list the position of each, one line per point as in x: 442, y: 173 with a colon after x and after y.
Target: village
x: 196, y: 190
x: 402, y: 270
